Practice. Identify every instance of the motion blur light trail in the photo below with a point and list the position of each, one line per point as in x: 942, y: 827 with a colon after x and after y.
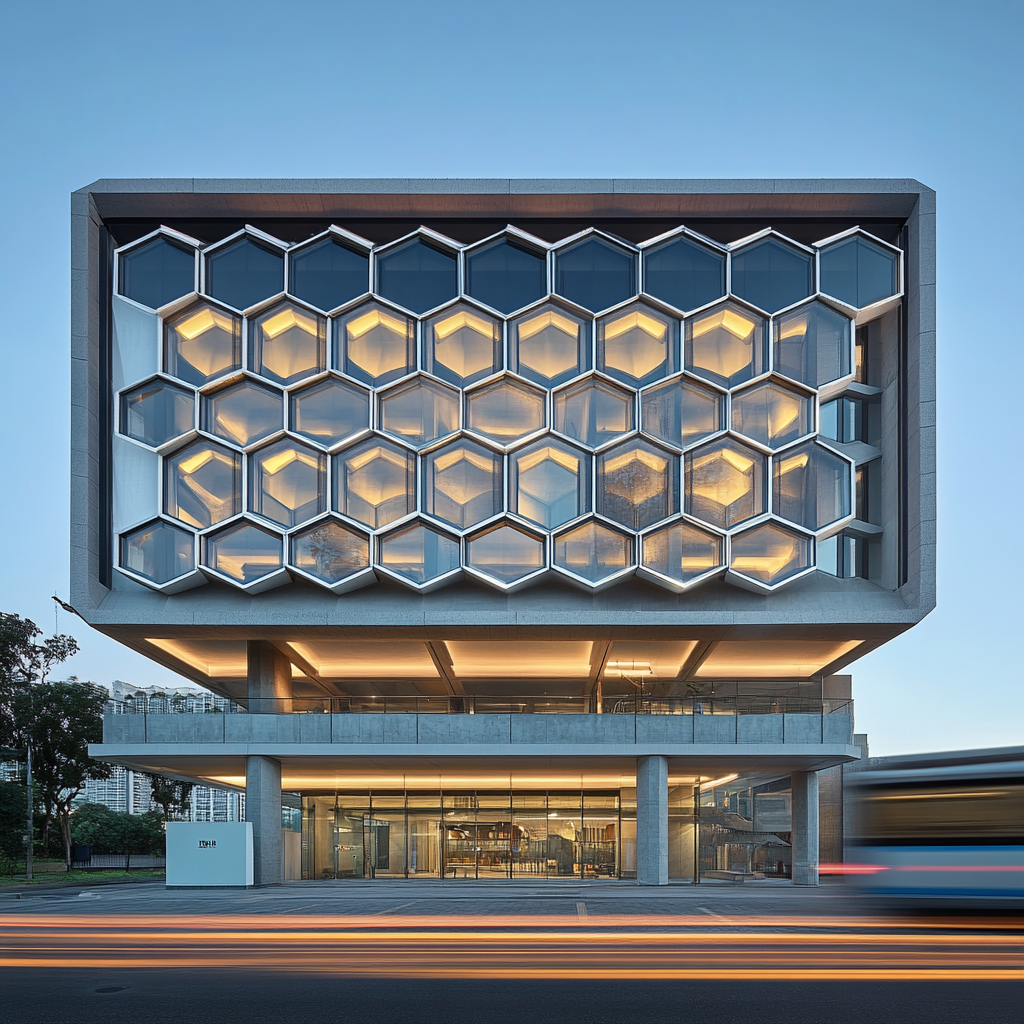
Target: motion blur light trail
x: 670, y: 947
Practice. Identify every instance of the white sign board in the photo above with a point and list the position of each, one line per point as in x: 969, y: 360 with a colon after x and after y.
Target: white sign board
x: 209, y: 853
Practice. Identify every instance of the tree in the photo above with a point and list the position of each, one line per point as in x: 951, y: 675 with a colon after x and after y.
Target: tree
x: 171, y: 795
x: 118, y: 832
x: 12, y: 825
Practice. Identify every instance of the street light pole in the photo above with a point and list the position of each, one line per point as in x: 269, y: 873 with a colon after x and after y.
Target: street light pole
x: 28, y: 834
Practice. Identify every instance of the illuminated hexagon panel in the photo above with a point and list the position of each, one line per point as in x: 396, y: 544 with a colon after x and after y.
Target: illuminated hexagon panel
x: 425, y: 411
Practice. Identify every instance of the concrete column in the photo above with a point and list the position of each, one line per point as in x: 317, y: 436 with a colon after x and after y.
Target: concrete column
x: 652, y: 820
x: 805, y: 828
x: 263, y: 809
x: 270, y: 679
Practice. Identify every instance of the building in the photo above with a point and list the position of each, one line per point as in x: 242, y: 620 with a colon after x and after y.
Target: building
x: 533, y: 523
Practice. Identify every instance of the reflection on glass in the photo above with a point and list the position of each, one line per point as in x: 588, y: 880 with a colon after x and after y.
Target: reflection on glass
x: 464, y: 346
x: 725, y: 483
x: 202, y: 484
x: 682, y: 552
x: 593, y: 412
x: 375, y: 483
x: 287, y: 483
x: 202, y: 344
x: 726, y: 346
x: 505, y: 276
x: 156, y: 412
x: 462, y: 484
x: 420, y: 553
x: 505, y: 412
x: 858, y: 272
x: 328, y: 274
x: 593, y: 551
x: 375, y: 345
x: 417, y: 276
x: 327, y: 413
x: 245, y: 273
x: 636, y: 347
x: 550, y: 484
x: 681, y: 413
x: 505, y: 554
x: 549, y: 346
x: 595, y: 274
x: 421, y: 412
x: 771, y: 553
x: 159, y: 552
x: 771, y: 414
x: 330, y: 551
x: 157, y: 273
x: 771, y: 275
x: 812, y: 345
x: 811, y: 486
x: 684, y: 274
x: 288, y: 344
x: 245, y: 552
x: 243, y: 413
x: 637, y: 484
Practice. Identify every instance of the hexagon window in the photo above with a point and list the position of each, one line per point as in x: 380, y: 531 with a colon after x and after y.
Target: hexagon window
x: 157, y: 273
x: 158, y: 552
x: 201, y: 344
x: 859, y: 272
x: 812, y: 345
x: 418, y: 275
x: 462, y: 484
x: 243, y: 413
x: 637, y: 484
x: 594, y: 412
x: 771, y: 554
x: 329, y: 551
x: 549, y: 346
x: 593, y: 551
x: 329, y: 412
x: 375, y: 483
x: 375, y: 345
x: 637, y: 346
x: 244, y: 552
x: 684, y: 274
x: 244, y: 273
x: 420, y: 413
x: 772, y: 275
x: 419, y: 553
x: 462, y: 346
x: 287, y: 483
x: 506, y: 276
x: 811, y: 487
x: 683, y: 552
x: 725, y: 483
x: 506, y: 411
x: 595, y: 274
x: 203, y: 484
x: 157, y: 412
x: 505, y: 554
x: 681, y: 412
x: 288, y: 344
x: 726, y: 346
x: 549, y: 483
x: 328, y: 274
x: 772, y: 415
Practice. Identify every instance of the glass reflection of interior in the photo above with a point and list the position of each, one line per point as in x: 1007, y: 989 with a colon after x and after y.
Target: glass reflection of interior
x: 858, y: 272
x: 462, y: 484
x: 682, y: 552
x: 375, y: 483
x: 593, y: 412
x: 419, y: 553
x: 772, y: 275
x: 811, y: 487
x: 637, y: 485
x: 726, y: 346
x: 420, y: 412
x: 771, y: 553
x: 288, y: 344
x: 330, y: 551
x: 505, y: 553
x: 505, y: 412
x: 636, y: 347
x: 725, y: 483
x: 464, y: 346
x: 156, y: 413
x: 157, y: 273
x: 245, y: 552
x: 203, y: 344
x: 375, y: 345
x: 549, y: 347
x: 327, y: 413
x: 159, y: 552
x: 681, y: 413
x: 812, y: 345
x: 772, y: 415
x: 243, y: 413
x: 550, y: 484
x: 202, y: 484
x: 287, y: 483
x: 593, y: 551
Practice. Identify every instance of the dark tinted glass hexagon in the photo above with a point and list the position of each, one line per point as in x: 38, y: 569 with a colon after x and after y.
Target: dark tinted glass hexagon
x: 158, y: 273
x: 417, y: 276
x: 156, y: 412
x: 506, y: 277
x: 684, y: 275
x: 329, y: 274
x: 595, y: 274
x: 858, y: 272
x: 244, y: 273
x: 771, y: 276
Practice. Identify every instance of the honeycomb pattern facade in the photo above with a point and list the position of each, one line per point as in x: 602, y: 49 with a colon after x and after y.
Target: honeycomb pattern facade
x: 512, y: 410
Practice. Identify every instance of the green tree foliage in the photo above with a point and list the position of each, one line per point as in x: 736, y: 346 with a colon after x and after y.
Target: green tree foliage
x: 171, y: 795
x: 13, y: 797
x: 117, y: 832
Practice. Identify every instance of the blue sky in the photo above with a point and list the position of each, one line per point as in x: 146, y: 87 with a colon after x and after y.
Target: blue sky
x: 932, y: 91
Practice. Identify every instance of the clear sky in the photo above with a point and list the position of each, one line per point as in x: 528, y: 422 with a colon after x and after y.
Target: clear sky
x: 932, y: 91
